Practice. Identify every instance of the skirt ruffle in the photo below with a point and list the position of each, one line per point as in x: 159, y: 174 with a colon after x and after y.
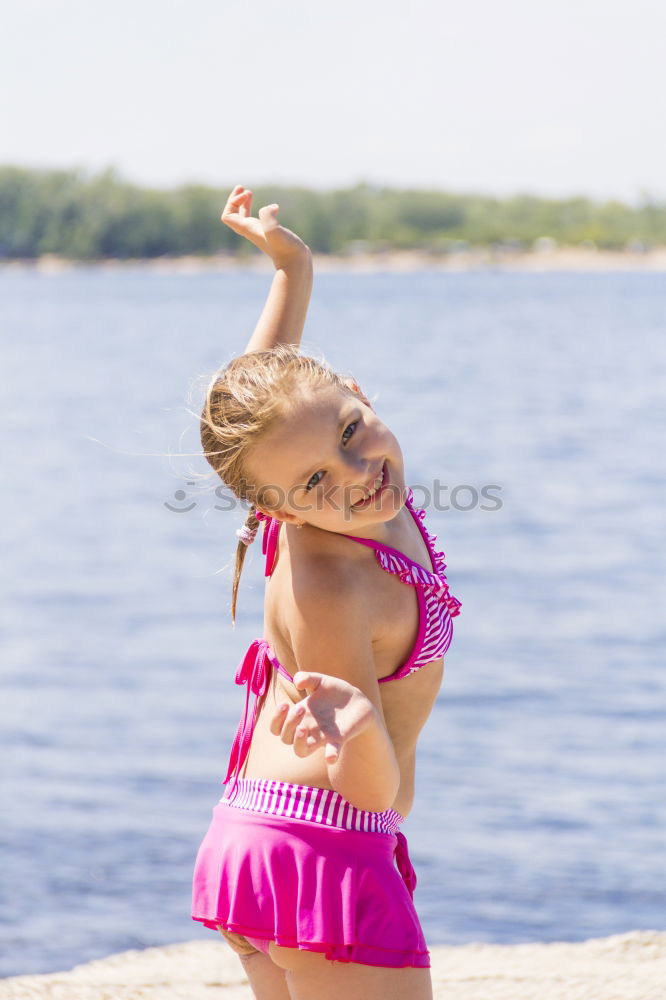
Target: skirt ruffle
x: 309, y: 886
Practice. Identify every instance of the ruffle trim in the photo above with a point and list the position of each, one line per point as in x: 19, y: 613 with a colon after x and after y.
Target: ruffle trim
x: 361, y: 953
x: 414, y: 575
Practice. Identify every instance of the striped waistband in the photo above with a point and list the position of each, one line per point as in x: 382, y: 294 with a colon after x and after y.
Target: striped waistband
x: 317, y: 805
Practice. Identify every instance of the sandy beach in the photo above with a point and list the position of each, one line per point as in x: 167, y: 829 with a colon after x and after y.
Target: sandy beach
x: 622, y: 967
x: 581, y: 259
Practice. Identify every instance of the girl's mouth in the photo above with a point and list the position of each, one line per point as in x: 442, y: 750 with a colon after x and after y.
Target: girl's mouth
x: 380, y: 485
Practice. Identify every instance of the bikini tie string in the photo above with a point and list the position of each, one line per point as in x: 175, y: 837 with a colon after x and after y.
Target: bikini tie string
x: 253, y: 671
x: 269, y: 539
x: 405, y: 866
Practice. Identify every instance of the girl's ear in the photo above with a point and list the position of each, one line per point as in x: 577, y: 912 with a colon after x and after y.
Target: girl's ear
x: 352, y: 384
x: 278, y: 515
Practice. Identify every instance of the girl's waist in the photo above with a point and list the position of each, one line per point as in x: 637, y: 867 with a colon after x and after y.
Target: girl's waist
x: 304, y: 802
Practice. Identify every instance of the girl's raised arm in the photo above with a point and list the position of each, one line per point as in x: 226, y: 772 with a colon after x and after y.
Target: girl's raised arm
x: 283, y: 316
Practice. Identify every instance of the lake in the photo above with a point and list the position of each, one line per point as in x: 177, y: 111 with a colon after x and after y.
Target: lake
x: 540, y: 801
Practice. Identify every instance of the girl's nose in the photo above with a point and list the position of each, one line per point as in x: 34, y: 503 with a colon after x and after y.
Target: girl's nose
x: 357, y: 469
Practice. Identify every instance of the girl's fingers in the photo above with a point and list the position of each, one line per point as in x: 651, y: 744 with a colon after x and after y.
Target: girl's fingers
x: 278, y: 717
x: 314, y: 737
x: 285, y: 719
x: 306, y: 743
x: 306, y: 740
x: 291, y: 725
x: 236, y: 195
x: 291, y: 720
x: 238, y: 203
x: 307, y: 681
x: 245, y: 206
x: 237, y: 191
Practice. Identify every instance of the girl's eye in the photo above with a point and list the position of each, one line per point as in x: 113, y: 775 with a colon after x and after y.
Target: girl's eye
x: 313, y: 481
x: 345, y: 439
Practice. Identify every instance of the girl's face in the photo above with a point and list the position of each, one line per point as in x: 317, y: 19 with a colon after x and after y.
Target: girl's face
x: 329, y: 462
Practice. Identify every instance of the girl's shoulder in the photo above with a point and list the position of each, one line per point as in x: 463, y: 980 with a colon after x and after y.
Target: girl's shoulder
x: 315, y: 576
x: 324, y: 565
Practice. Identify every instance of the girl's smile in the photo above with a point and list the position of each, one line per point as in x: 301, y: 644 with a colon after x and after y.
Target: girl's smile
x: 374, y: 490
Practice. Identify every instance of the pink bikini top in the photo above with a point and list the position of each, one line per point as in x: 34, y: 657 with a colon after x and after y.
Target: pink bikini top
x: 436, y: 609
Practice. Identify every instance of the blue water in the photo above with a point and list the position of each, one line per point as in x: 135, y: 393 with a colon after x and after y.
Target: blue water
x: 541, y: 804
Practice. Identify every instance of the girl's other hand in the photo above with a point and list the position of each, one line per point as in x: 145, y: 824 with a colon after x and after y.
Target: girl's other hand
x: 280, y: 244
x: 333, y: 712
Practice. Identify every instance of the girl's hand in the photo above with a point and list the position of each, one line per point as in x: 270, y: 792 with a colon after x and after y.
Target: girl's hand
x: 280, y: 244
x: 333, y: 712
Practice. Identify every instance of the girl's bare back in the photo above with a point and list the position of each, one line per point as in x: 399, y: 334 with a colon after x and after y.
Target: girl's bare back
x: 392, y: 612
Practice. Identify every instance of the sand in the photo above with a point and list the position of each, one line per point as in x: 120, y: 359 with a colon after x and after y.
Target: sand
x: 623, y: 967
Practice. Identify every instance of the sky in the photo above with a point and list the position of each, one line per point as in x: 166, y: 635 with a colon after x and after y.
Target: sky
x: 551, y: 98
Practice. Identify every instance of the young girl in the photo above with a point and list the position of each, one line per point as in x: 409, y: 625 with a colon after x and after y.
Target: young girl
x: 304, y: 869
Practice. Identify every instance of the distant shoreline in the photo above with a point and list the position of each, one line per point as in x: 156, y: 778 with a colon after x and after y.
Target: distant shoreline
x: 584, y: 260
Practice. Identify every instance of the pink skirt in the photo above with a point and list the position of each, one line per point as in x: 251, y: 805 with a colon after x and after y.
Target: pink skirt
x: 303, y: 867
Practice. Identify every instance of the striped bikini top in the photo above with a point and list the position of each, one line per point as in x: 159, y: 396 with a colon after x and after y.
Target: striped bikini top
x: 436, y: 609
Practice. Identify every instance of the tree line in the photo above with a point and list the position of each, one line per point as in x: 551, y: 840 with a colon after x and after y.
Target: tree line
x: 85, y: 216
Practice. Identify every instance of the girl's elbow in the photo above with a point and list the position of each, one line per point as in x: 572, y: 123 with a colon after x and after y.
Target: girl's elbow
x: 381, y: 799
x: 369, y: 801
x: 381, y: 804
x: 391, y: 793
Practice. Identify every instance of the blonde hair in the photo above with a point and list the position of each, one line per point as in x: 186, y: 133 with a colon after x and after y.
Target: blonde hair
x: 243, y: 401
